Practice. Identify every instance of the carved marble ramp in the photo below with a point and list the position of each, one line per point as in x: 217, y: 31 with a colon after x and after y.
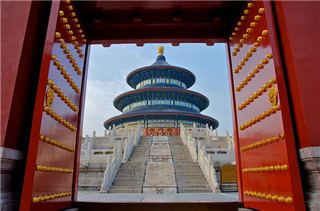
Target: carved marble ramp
x: 189, y: 176
x: 160, y: 176
x: 130, y: 176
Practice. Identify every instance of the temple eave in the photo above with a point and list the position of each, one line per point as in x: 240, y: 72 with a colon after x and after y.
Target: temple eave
x: 141, y: 116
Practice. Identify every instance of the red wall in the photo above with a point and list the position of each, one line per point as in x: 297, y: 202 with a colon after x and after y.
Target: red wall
x: 14, y: 18
x: 23, y: 31
x: 298, y: 32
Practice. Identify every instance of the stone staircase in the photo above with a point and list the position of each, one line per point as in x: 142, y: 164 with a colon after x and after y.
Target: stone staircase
x: 189, y: 176
x: 130, y: 176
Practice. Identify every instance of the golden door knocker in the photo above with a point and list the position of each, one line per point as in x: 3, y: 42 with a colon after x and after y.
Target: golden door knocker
x: 50, y: 97
x: 273, y: 96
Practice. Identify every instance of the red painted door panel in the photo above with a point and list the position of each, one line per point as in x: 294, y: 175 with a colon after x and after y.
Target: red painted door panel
x: 48, y: 183
x: 269, y: 170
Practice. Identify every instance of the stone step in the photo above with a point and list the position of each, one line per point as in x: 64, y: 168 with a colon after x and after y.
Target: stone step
x: 191, y: 182
x: 125, y: 191
x: 138, y: 160
x: 131, y: 173
x: 128, y: 180
x: 122, y: 173
x: 138, y: 156
x: 129, y: 176
x: 183, y: 178
x: 187, y: 165
x: 183, y: 159
x: 128, y: 183
x: 193, y: 190
x: 191, y: 172
x: 132, y: 166
x: 182, y: 175
x: 140, y: 169
x: 193, y: 186
x: 189, y: 162
x: 125, y: 187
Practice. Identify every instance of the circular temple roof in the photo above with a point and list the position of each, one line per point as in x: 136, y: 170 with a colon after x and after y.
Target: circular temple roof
x: 161, y: 69
x: 161, y: 93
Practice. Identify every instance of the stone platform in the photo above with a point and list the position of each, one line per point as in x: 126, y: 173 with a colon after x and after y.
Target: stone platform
x: 94, y: 196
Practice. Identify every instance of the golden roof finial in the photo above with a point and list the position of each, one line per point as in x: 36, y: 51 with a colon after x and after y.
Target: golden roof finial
x: 160, y: 50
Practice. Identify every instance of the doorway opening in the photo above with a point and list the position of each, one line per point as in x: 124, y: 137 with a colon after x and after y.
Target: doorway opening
x: 107, y: 73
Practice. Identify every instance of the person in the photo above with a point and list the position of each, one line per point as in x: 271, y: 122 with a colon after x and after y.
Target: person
x: 160, y: 133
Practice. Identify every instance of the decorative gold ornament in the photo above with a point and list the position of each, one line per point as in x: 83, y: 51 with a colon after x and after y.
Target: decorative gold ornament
x: 66, y: 26
x: 256, y: 44
x: 250, y: 5
x: 63, y: 20
x: 265, y: 32
x: 252, y: 50
x: 246, y: 36
x: 69, y: 7
x: 61, y: 13
x: 273, y: 96
x: 160, y: 50
x: 249, y: 30
x: 57, y: 35
x: 50, y: 97
x: 261, y: 10
x: 257, y: 17
x: 53, y: 57
x: 253, y: 24
x: 269, y: 56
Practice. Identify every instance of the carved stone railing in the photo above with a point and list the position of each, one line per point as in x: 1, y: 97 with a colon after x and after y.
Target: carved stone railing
x: 199, y: 142
x: 114, y: 161
x: 207, y: 167
x: 133, y: 140
x: 92, y: 145
x: 113, y: 164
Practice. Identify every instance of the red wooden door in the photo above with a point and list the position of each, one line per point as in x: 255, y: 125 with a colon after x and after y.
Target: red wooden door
x: 266, y: 156
x: 49, y: 178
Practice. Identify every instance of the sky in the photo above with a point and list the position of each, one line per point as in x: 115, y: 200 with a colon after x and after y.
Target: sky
x: 109, y: 67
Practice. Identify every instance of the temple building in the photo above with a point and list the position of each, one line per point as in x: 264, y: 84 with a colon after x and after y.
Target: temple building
x: 161, y: 100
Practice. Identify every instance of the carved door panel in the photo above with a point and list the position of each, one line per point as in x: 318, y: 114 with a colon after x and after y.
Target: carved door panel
x: 49, y: 178
x: 267, y: 162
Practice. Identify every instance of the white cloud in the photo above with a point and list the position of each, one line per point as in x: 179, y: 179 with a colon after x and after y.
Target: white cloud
x: 99, y: 103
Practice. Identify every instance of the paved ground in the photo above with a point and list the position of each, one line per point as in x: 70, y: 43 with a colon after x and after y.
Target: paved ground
x: 95, y: 196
